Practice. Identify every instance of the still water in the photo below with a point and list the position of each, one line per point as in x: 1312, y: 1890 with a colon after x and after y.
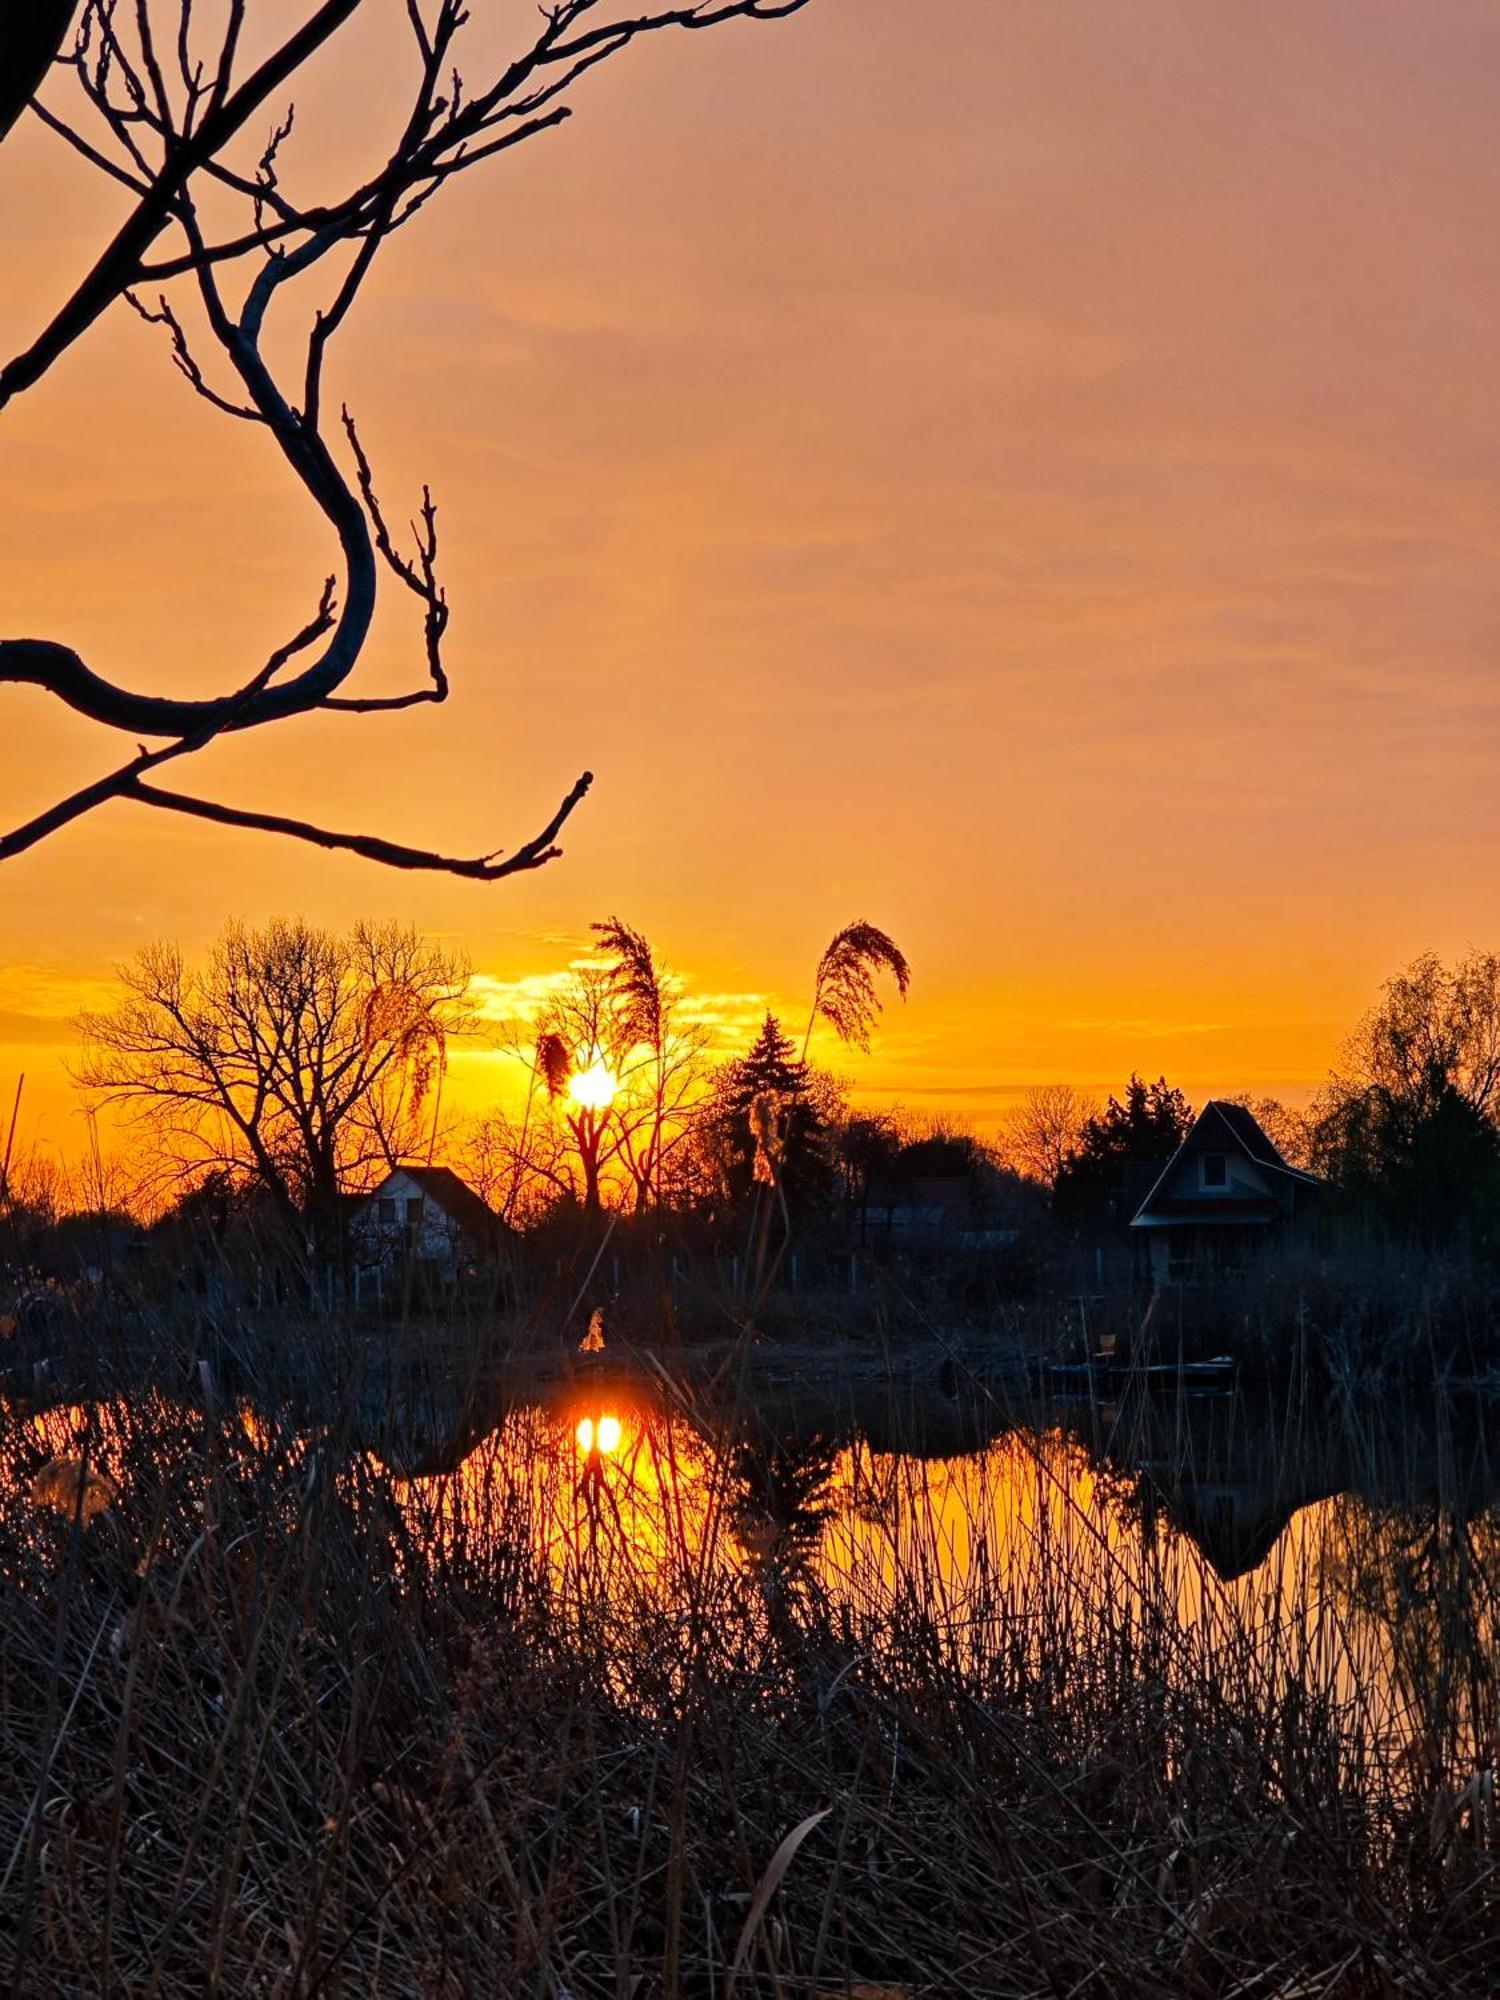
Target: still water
x: 1355, y: 1570
x: 1259, y: 1561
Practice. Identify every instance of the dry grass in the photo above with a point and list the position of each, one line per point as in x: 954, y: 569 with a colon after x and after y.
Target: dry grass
x: 274, y: 1723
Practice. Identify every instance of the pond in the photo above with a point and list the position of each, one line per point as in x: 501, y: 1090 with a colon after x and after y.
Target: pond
x: 1351, y: 1567
x: 1206, y: 1540
x: 1143, y: 1695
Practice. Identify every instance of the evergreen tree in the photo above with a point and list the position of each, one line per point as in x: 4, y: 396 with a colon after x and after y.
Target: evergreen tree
x: 1143, y: 1130
x: 771, y: 1083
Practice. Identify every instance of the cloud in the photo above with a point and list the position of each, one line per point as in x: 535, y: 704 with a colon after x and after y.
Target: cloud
x: 1142, y: 1028
x: 39, y: 1004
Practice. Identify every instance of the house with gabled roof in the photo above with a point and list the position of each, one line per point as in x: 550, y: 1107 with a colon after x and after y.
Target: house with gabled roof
x: 1224, y: 1192
x: 423, y: 1222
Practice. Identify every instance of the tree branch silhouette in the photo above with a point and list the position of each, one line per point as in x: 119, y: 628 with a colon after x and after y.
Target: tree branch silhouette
x: 166, y: 101
x: 30, y: 38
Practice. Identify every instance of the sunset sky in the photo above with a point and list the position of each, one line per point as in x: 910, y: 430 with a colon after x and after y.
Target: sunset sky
x: 1025, y: 474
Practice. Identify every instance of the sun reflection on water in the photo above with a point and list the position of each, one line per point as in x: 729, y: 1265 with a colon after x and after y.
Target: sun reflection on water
x: 604, y: 1436
x: 1025, y: 1550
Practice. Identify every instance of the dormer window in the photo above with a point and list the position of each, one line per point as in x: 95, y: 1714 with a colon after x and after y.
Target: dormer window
x: 1215, y: 1169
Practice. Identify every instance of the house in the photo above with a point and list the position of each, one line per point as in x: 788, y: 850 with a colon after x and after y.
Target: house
x: 937, y: 1211
x: 425, y: 1224
x: 918, y: 1207
x: 1224, y: 1191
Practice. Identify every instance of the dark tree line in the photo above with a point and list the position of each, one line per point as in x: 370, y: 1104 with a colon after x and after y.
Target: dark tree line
x: 1406, y: 1131
x: 1408, y: 1128
x: 1104, y: 1168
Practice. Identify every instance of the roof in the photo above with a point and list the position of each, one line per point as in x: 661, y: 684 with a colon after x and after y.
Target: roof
x: 453, y: 1196
x: 947, y: 1191
x: 1253, y: 1137
x: 1243, y: 1130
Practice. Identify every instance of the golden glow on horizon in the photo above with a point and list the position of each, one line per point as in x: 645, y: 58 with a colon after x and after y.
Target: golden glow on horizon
x: 1094, y: 590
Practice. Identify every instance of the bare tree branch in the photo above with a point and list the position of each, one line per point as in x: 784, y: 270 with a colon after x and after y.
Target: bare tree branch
x: 120, y: 783
x: 30, y: 36
x: 535, y: 853
x: 169, y: 115
x: 117, y: 268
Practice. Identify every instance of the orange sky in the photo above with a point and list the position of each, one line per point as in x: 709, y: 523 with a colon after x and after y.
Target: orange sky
x: 1023, y: 474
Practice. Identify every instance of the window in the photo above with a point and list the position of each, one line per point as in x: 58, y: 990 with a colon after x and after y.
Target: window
x: 414, y: 1211
x: 388, y: 1210
x: 1215, y: 1170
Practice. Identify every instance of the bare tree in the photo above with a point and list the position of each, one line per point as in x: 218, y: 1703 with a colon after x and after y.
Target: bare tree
x: 616, y: 1078
x: 1043, y: 1129
x: 580, y: 1053
x: 519, y: 1166
x: 1435, y: 1029
x: 283, y: 1061
x: 1289, y: 1130
x: 164, y: 100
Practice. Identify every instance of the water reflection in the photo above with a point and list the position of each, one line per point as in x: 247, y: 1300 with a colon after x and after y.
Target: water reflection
x: 782, y: 1493
x: 603, y: 1437
x: 1339, y: 1566
x: 1054, y: 1552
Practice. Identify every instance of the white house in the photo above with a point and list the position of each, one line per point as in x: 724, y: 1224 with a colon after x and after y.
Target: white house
x: 1225, y: 1190
x: 423, y: 1223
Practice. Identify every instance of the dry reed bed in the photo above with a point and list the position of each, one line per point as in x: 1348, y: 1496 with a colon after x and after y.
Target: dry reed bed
x: 274, y: 1724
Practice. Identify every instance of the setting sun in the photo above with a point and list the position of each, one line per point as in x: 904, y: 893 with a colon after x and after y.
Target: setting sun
x: 595, y: 1087
x: 781, y: 715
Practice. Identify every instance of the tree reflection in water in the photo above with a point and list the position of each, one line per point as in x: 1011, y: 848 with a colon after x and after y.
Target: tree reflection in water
x: 1429, y: 1579
x: 1010, y: 1677
x: 781, y: 1497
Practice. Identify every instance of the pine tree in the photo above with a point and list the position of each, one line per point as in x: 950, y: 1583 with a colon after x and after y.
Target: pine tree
x: 1145, y: 1130
x: 770, y: 1078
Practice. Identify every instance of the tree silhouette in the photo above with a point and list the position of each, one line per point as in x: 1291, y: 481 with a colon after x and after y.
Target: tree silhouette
x: 283, y: 1061
x: 622, y: 1017
x: 1408, y: 1127
x: 770, y: 1112
x: 1143, y: 1129
x: 164, y: 97
x: 580, y: 1031
x: 1044, y: 1128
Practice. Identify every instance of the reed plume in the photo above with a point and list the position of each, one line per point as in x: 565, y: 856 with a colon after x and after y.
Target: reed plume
x: 844, y: 991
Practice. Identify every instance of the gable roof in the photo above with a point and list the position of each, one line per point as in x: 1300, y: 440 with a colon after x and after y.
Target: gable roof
x: 453, y: 1196
x: 1252, y: 1136
x: 1235, y: 1123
